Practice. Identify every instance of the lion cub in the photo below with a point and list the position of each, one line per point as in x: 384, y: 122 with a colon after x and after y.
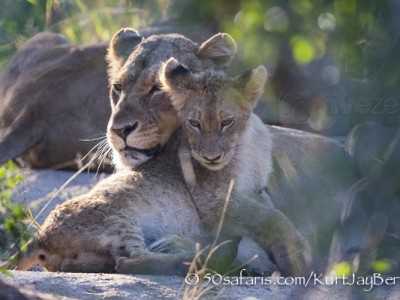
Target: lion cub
x: 224, y: 140
x: 216, y: 114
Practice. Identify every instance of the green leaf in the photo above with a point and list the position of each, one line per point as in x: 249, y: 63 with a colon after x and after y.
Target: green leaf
x: 342, y: 269
x: 6, y: 272
x: 303, y: 50
x: 382, y: 266
x: 19, y: 178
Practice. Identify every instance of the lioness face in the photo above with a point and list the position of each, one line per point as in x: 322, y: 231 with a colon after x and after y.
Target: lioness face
x: 213, y: 109
x: 143, y: 118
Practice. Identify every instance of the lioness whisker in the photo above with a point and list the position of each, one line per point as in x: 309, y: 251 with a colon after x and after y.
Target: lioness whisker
x: 104, y: 154
x: 103, y: 150
x: 94, y: 138
x: 98, y: 145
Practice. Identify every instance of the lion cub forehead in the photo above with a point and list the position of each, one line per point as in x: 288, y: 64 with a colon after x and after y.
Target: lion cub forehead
x: 218, y: 100
x: 216, y: 90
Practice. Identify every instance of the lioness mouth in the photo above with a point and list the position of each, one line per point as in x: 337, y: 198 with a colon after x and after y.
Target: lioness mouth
x: 148, y: 152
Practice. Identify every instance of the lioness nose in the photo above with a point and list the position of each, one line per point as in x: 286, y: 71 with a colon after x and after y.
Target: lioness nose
x: 125, y: 131
x: 210, y: 158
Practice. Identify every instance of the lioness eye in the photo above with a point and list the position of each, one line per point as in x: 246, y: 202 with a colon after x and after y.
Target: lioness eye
x: 226, y: 123
x: 117, y: 88
x: 194, y: 123
x: 154, y: 89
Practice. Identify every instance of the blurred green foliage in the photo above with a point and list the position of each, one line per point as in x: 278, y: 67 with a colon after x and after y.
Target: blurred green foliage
x: 360, y: 35
x: 327, y: 40
x: 12, y: 215
x: 333, y: 62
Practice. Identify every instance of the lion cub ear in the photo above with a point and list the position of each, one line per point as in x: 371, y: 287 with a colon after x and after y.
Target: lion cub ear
x: 251, y: 84
x: 121, y: 46
x: 176, y: 80
x: 220, y: 49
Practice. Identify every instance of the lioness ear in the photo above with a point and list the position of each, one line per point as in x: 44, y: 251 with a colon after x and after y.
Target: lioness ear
x: 220, y: 49
x: 121, y: 46
x: 176, y: 79
x: 251, y: 84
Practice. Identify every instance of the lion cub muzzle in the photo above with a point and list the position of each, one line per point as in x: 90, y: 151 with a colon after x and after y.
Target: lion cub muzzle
x: 213, y: 161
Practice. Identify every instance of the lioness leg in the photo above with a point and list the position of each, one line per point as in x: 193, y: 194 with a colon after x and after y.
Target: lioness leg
x: 222, y: 259
x: 275, y: 233
x: 150, y: 263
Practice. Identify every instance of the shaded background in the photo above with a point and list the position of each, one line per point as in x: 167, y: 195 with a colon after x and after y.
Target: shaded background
x: 333, y: 64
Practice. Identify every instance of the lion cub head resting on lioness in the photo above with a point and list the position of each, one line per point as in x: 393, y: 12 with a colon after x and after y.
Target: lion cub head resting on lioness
x: 215, y: 112
x: 143, y: 118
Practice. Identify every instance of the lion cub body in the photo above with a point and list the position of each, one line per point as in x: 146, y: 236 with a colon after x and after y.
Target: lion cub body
x: 122, y: 215
x: 224, y: 141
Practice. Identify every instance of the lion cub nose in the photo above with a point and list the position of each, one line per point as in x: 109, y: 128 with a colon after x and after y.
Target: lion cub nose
x: 210, y: 158
x: 125, y: 131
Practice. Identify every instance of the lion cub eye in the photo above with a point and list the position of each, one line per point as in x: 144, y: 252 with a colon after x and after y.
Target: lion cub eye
x: 117, y: 88
x: 193, y: 123
x: 226, y: 123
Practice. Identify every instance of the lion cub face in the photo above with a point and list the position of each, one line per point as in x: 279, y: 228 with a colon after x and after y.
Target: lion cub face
x: 213, y: 109
x: 143, y: 118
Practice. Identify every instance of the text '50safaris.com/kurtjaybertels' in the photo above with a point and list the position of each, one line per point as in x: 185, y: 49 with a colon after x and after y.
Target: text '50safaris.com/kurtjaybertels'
x: 368, y: 282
